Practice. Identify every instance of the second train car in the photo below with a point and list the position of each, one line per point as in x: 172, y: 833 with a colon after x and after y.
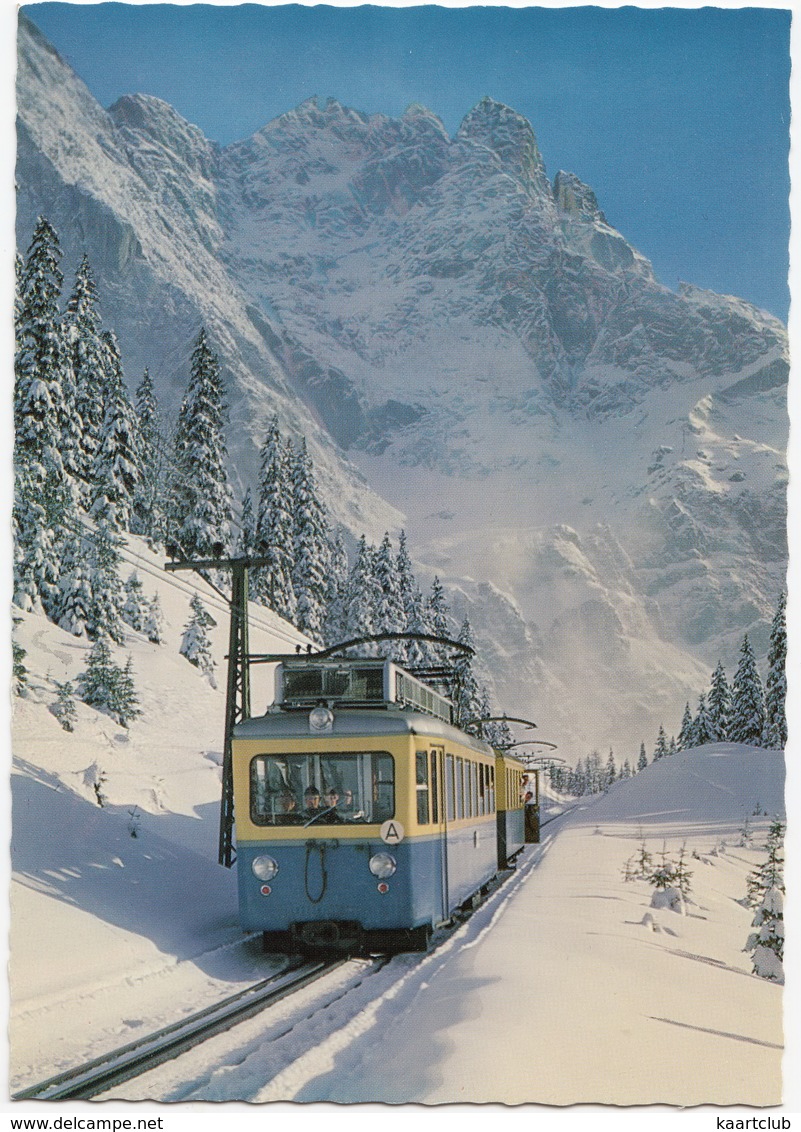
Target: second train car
x: 364, y: 817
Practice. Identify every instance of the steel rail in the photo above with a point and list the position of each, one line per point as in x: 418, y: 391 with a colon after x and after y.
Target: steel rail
x: 113, y: 1068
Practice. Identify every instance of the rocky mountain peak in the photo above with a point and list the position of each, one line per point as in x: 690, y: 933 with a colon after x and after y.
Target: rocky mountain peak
x: 576, y: 198
x: 511, y: 138
x: 156, y: 122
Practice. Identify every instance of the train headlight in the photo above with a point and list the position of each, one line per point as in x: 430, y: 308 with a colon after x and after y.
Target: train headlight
x: 383, y: 865
x: 321, y: 719
x: 265, y: 868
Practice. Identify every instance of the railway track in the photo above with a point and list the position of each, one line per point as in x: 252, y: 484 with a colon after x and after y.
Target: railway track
x: 86, y: 1081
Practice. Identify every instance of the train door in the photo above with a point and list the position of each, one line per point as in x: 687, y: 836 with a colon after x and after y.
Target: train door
x: 439, y: 818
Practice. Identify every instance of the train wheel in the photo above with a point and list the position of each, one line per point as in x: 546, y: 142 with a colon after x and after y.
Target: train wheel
x: 272, y: 942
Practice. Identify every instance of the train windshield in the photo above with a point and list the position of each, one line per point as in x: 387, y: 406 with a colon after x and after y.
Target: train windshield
x: 322, y: 789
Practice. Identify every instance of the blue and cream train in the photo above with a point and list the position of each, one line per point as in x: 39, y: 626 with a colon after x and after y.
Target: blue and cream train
x: 364, y: 818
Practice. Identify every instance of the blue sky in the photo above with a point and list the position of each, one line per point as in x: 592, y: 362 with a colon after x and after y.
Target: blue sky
x: 678, y: 118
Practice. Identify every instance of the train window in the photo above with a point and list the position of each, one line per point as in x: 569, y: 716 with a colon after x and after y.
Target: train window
x: 459, y: 787
x: 322, y: 789
x: 492, y: 788
x: 482, y: 790
x: 434, y: 788
x: 450, y: 787
x: 421, y: 787
x: 475, y: 789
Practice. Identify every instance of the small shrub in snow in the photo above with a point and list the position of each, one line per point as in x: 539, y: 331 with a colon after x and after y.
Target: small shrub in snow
x: 767, y: 944
x: 19, y: 671
x: 671, y: 898
x: 64, y: 707
x: 134, y: 818
x: 153, y: 626
x: 770, y: 874
x: 134, y: 610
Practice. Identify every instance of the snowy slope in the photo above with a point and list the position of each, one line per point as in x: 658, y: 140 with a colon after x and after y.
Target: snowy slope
x: 113, y: 934
x: 593, y: 463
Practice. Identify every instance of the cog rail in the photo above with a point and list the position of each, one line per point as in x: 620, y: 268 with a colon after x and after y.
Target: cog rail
x: 117, y: 1066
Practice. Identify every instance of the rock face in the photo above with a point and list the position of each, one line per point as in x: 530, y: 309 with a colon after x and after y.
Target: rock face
x: 596, y: 463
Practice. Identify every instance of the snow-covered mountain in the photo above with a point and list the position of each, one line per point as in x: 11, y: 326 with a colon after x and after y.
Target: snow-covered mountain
x: 594, y: 463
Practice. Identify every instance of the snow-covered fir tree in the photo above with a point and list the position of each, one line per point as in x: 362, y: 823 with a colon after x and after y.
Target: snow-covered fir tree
x: 776, y: 684
x: 611, y: 770
x: 702, y: 729
x: 336, y: 592
x: 195, y: 643
x: 465, y: 691
x: 686, y: 737
x: 719, y: 706
x: 246, y: 539
x: 748, y: 704
x: 106, y: 592
x: 200, y: 495
x: 117, y: 469
x: 362, y: 594
x: 46, y: 492
x: 150, y: 497
x: 770, y: 873
x: 389, y: 614
x: 661, y: 748
x: 82, y: 332
x: 64, y: 708
x: 75, y: 584
x: 153, y: 626
x: 311, y: 547
x: 134, y: 609
x: 642, y: 761
x: 106, y: 686
x: 409, y: 594
x: 275, y: 529
x: 44, y: 395
x: 767, y: 943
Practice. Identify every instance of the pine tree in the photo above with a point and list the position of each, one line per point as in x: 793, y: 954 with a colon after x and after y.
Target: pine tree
x: 702, y: 730
x: 642, y: 761
x: 748, y: 710
x: 389, y: 614
x: 117, y: 472
x: 153, y: 627
x: 104, y: 615
x: 195, y: 643
x: 719, y: 706
x: 134, y: 610
x: 336, y: 592
x: 311, y: 548
x: 776, y: 685
x: 75, y: 585
x: 275, y: 527
x: 86, y: 350
x: 362, y: 594
x: 465, y: 691
x: 246, y: 541
x: 770, y: 874
x: 19, y: 670
x: 661, y: 748
x: 106, y: 686
x: 686, y: 731
x: 64, y: 707
x: 149, y: 502
x: 46, y: 429
x: 611, y: 770
x: 767, y: 944
x: 200, y: 496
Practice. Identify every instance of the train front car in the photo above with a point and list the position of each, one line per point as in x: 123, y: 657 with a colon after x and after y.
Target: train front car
x: 363, y: 817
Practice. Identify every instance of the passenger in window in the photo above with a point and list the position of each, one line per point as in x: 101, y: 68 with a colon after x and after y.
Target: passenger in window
x: 311, y: 799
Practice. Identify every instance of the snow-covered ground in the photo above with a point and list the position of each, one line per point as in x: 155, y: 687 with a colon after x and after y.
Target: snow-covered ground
x: 566, y: 988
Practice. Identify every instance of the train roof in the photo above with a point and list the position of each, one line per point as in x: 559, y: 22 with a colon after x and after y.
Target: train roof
x: 357, y: 722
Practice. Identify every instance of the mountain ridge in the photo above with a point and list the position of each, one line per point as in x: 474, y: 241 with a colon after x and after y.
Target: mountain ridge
x: 458, y: 337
